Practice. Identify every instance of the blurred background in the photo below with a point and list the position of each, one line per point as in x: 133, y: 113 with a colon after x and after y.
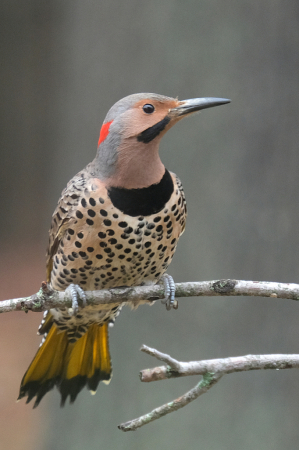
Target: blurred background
x: 63, y: 65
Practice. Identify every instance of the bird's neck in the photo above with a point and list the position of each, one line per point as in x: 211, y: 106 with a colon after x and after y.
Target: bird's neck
x: 138, y: 165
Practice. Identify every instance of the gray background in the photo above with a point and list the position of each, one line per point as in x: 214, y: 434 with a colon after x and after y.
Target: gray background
x: 63, y: 64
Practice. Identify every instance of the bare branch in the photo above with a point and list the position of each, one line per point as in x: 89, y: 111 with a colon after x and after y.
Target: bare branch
x: 47, y: 298
x: 211, y: 370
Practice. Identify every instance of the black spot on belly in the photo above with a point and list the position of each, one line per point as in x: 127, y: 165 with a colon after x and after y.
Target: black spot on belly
x: 123, y: 224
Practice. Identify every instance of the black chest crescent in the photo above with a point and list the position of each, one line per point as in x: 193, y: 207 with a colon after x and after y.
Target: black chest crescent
x: 144, y: 201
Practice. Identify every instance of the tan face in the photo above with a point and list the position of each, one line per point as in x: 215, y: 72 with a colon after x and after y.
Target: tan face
x: 128, y: 149
x: 141, y: 116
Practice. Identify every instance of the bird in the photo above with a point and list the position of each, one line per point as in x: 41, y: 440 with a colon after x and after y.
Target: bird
x: 117, y: 223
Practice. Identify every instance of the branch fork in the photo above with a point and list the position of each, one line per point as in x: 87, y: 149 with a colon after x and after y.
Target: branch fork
x: 211, y: 370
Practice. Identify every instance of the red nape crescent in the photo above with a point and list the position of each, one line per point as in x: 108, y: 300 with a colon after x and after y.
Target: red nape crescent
x: 104, y: 132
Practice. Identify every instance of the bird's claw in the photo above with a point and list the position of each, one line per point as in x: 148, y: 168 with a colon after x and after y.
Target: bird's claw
x: 169, y: 291
x: 76, y: 293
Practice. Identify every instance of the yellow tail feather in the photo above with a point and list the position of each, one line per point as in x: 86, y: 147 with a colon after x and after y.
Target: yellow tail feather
x: 69, y: 366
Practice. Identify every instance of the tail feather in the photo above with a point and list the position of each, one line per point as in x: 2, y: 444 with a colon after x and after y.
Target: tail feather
x: 100, y: 364
x: 69, y: 366
x: 104, y: 352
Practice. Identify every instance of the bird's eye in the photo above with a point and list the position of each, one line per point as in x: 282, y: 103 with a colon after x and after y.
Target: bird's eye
x: 148, y: 108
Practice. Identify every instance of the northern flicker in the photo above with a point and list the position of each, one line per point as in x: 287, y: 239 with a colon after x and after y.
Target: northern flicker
x: 117, y: 223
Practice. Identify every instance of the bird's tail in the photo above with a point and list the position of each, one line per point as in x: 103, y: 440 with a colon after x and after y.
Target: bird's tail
x: 69, y: 366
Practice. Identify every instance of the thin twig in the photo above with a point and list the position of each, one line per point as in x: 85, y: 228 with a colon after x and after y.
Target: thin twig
x: 173, y: 363
x: 208, y: 380
x: 47, y: 298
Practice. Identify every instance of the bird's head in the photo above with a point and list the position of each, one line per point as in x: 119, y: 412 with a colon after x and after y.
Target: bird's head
x: 128, y: 147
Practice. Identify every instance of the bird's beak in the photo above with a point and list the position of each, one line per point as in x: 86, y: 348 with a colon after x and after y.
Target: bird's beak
x: 196, y: 104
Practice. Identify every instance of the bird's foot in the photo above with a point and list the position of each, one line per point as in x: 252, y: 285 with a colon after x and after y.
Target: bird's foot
x: 169, y: 291
x: 76, y: 293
